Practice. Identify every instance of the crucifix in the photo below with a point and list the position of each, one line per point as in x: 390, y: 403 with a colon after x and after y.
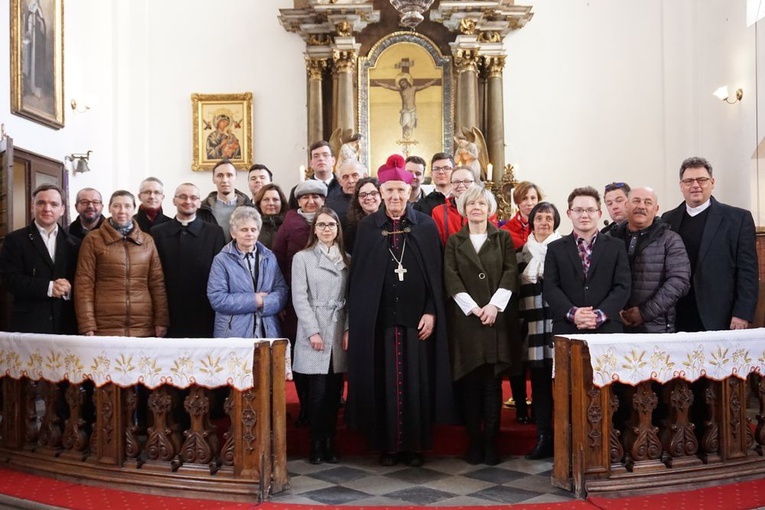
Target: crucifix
x: 400, y: 272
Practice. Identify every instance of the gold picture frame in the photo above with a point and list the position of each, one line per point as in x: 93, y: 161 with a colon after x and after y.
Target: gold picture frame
x: 37, y: 61
x: 222, y: 125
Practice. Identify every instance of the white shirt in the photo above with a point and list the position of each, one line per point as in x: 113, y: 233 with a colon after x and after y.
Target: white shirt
x: 695, y: 211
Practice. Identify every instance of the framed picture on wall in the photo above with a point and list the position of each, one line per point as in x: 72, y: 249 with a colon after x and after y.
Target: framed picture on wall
x: 37, y: 61
x: 222, y: 126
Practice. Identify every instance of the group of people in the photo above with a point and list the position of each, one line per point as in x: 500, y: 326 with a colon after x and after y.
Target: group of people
x: 424, y: 301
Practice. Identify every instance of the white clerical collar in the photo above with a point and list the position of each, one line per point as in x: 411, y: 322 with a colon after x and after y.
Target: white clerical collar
x: 694, y: 211
x: 185, y: 223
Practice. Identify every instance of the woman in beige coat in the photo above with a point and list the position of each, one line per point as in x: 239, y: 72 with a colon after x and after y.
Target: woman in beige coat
x: 120, y: 287
x: 319, y: 279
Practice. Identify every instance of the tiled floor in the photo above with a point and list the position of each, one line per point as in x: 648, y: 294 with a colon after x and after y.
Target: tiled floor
x: 443, y: 481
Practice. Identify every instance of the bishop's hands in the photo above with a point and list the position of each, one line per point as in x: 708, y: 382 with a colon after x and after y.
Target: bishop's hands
x: 425, y: 327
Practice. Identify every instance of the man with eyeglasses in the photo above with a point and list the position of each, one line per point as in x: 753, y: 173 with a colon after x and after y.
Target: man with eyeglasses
x: 322, y: 162
x: 615, y: 198
x: 187, y: 246
x: 89, y: 205
x: 37, y: 266
x: 151, y: 193
x: 587, y: 279
x: 661, y: 271
x: 720, y: 240
x: 441, y: 167
x: 447, y: 217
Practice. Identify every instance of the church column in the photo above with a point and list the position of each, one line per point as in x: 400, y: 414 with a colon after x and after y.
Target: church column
x: 495, y: 118
x: 466, y: 63
x: 315, y: 68
x: 345, y: 67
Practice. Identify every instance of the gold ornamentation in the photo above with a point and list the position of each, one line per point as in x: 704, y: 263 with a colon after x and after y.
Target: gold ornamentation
x: 466, y: 60
x: 315, y: 68
x: 467, y: 26
x: 318, y: 40
x: 489, y: 37
x: 505, y: 197
x: 345, y: 61
x: 344, y: 29
x: 494, y: 65
x: 222, y: 128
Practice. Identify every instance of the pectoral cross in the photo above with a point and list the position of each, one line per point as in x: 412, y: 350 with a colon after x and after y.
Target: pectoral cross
x: 400, y: 272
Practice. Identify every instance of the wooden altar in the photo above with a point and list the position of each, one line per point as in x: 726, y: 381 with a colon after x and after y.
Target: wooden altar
x: 644, y: 414
x: 184, y: 417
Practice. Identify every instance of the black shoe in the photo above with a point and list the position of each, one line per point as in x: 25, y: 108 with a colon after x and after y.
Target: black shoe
x: 329, y: 451
x: 414, y: 459
x: 316, y: 455
x: 543, y: 449
x: 490, y: 455
x: 388, y: 459
x: 475, y: 453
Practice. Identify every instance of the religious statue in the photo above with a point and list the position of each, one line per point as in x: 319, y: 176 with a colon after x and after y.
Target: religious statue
x: 405, y: 85
x: 470, y: 151
x: 345, y: 144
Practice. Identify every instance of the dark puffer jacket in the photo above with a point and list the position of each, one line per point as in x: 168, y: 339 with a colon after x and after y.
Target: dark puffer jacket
x: 661, y: 274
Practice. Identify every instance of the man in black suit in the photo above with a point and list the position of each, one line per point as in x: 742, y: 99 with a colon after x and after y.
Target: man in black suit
x: 587, y: 277
x: 37, y: 266
x: 720, y: 240
x: 187, y: 246
x: 89, y: 205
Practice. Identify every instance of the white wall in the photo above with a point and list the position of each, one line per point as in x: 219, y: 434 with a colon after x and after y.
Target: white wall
x: 595, y: 91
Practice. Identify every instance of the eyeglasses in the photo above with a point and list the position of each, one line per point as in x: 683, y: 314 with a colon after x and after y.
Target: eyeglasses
x: 150, y: 192
x: 88, y: 203
x: 589, y: 211
x: 369, y: 194
x: 464, y: 183
x: 325, y: 226
x: 700, y: 180
x: 183, y: 198
x: 441, y: 169
x: 615, y: 185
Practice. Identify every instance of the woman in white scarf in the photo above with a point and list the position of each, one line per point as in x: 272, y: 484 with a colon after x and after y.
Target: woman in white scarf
x: 544, y: 219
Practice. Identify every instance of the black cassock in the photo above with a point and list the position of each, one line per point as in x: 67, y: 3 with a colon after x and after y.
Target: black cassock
x: 398, y: 385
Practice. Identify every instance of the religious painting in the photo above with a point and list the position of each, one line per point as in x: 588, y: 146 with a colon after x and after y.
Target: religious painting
x: 37, y: 61
x: 222, y: 125
x: 405, y: 95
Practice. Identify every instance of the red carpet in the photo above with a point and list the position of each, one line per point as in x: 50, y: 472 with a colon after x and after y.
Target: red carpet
x: 449, y: 440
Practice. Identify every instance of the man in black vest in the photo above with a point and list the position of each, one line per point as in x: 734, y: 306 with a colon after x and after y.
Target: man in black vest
x: 720, y: 240
x: 37, y: 266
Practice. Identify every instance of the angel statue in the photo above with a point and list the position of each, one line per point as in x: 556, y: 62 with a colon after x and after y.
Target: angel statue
x: 470, y: 151
x: 345, y: 144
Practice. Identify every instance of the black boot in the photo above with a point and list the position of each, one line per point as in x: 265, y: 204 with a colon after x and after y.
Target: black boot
x: 316, y: 454
x: 472, y: 402
x: 492, y: 407
x: 543, y: 449
x: 329, y: 451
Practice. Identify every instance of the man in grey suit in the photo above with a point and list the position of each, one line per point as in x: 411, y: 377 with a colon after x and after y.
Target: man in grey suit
x: 720, y: 240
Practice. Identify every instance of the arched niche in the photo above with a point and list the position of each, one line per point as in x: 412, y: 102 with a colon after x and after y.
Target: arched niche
x: 404, y: 60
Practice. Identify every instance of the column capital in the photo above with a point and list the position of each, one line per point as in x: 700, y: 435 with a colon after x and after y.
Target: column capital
x: 466, y: 59
x: 344, y: 60
x: 494, y: 65
x: 315, y: 67
x: 497, y: 16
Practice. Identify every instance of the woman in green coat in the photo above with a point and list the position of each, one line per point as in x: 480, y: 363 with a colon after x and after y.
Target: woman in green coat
x: 481, y: 276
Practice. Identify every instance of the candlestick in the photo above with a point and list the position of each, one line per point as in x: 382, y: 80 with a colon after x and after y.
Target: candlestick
x: 302, y: 173
x: 489, y: 172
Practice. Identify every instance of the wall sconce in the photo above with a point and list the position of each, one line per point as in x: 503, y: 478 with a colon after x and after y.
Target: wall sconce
x: 79, y: 162
x: 723, y: 95
x: 82, y: 108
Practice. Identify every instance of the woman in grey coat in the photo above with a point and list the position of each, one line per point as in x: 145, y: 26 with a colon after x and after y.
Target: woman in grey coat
x: 319, y: 279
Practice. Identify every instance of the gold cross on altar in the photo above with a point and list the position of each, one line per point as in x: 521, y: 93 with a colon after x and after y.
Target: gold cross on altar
x: 406, y: 143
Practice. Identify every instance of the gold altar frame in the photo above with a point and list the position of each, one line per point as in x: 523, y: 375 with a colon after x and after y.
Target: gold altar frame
x: 38, y: 99
x: 376, y: 118
x: 209, y: 111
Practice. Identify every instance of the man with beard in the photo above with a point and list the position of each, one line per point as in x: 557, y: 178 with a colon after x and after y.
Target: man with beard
x: 187, y: 246
x: 89, y: 205
x: 661, y: 271
x: 399, y: 378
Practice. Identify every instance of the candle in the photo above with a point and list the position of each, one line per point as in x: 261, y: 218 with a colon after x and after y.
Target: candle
x: 489, y: 172
x: 302, y: 173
